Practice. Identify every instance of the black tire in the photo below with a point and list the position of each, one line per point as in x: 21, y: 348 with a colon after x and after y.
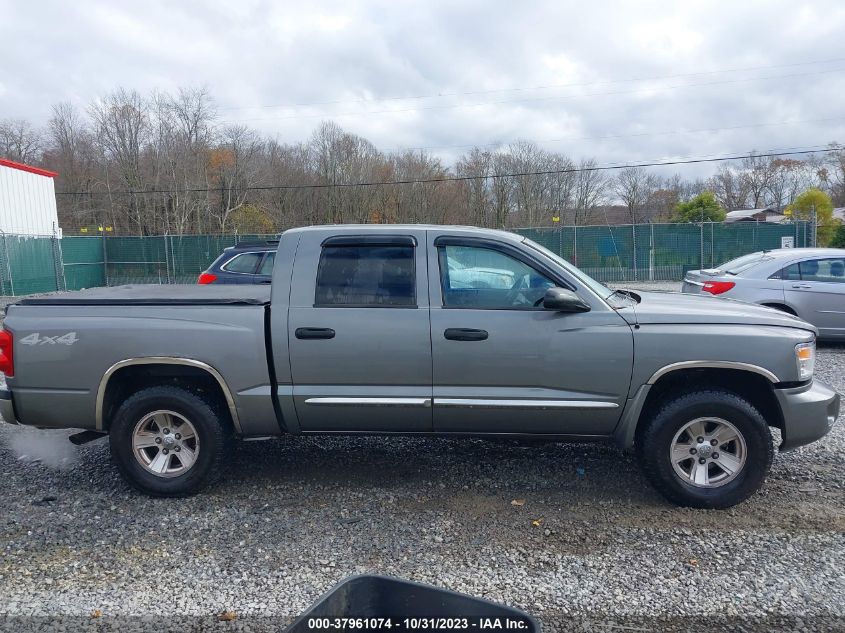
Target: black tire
x: 655, y: 439
x: 212, y: 429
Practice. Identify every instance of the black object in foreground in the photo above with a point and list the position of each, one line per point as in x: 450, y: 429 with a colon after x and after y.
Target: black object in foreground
x: 370, y: 603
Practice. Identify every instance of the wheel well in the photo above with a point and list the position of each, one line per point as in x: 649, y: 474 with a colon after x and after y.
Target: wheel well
x: 128, y: 380
x: 780, y: 306
x: 754, y: 388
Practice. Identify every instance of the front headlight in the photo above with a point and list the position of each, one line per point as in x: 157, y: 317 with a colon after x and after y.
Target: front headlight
x: 805, y: 356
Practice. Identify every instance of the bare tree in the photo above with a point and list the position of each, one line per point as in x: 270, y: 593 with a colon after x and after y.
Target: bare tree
x: 121, y: 128
x: 420, y: 201
x: 233, y: 169
x: 835, y: 165
x: 635, y: 187
x: 785, y: 182
x: 591, y: 188
x: 530, y: 188
x: 758, y: 173
x: 561, y: 183
x: 72, y: 154
x: 478, y: 199
x: 501, y: 188
x: 19, y: 141
x: 185, y: 125
x: 342, y: 159
x: 730, y: 187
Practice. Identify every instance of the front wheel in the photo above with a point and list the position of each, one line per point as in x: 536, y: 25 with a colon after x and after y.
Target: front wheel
x: 168, y: 441
x: 706, y: 449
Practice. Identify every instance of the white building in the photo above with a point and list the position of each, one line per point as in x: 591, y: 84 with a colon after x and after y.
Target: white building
x: 27, y: 200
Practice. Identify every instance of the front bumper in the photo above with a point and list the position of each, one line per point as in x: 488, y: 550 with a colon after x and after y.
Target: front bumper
x: 809, y: 412
x: 7, y: 408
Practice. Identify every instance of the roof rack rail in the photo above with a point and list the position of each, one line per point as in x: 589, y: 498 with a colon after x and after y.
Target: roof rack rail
x: 254, y: 244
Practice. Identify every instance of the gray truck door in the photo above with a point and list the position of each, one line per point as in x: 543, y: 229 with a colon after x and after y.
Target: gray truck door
x: 360, y: 345
x: 819, y: 294
x: 502, y: 364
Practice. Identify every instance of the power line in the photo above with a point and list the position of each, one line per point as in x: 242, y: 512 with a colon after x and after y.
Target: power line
x: 385, y: 183
x: 531, y: 99
x: 634, y: 135
x: 541, y: 87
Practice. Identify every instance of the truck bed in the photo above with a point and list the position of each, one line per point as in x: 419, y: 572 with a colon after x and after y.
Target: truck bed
x: 72, y: 340
x: 158, y: 295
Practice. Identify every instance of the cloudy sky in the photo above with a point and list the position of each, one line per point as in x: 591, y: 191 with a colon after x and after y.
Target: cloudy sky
x: 621, y: 81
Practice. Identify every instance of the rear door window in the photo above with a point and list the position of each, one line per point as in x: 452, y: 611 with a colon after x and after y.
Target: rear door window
x: 831, y: 270
x: 366, y: 276
x: 790, y: 273
x: 245, y: 263
x: 267, y: 264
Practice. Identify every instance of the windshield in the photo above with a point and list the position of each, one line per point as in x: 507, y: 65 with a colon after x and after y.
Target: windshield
x: 600, y: 289
x: 736, y: 266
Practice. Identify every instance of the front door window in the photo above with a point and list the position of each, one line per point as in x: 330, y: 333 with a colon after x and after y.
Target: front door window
x: 482, y: 278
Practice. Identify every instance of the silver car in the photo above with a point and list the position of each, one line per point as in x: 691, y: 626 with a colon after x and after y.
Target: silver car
x: 806, y: 282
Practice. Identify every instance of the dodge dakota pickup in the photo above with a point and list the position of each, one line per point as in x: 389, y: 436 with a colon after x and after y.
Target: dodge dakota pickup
x: 385, y: 329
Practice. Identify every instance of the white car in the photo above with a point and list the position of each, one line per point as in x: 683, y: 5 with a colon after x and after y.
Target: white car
x: 465, y: 277
x: 806, y: 282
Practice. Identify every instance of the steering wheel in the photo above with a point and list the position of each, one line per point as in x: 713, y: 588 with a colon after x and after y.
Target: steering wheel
x: 515, y: 292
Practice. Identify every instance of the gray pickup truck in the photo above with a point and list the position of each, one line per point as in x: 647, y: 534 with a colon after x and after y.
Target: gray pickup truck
x: 365, y: 331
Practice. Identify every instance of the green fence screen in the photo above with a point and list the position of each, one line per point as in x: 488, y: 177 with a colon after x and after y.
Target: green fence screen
x: 643, y: 252
x: 82, y: 259
x: 661, y: 252
x: 29, y: 265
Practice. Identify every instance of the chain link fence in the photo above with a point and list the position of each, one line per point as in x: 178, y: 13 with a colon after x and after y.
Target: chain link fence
x: 619, y: 253
x: 663, y: 252
x: 30, y: 264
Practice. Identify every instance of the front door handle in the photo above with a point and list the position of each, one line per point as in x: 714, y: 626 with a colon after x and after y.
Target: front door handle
x: 805, y: 286
x: 465, y: 334
x: 314, y: 332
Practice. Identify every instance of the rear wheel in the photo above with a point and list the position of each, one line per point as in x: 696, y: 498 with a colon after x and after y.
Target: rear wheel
x: 168, y: 441
x: 706, y: 449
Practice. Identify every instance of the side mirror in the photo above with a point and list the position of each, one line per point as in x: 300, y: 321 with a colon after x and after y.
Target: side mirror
x: 563, y: 300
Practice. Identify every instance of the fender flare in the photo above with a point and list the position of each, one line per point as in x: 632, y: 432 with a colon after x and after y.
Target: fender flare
x: 163, y: 360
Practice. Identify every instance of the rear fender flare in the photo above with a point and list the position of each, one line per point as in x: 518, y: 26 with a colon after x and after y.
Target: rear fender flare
x: 163, y: 360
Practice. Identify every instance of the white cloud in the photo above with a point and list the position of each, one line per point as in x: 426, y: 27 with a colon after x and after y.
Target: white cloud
x: 419, y: 74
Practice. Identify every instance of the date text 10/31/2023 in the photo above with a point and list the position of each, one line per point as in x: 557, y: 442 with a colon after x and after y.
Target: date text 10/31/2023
x: 418, y: 624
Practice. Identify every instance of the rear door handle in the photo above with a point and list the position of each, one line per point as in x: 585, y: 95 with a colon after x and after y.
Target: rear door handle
x: 465, y: 334
x: 314, y: 332
x: 801, y: 286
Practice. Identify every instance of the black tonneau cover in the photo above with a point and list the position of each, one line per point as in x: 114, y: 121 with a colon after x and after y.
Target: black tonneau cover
x: 155, y: 294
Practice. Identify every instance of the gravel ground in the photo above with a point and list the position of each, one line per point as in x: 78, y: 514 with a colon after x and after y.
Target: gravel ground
x: 593, y: 547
